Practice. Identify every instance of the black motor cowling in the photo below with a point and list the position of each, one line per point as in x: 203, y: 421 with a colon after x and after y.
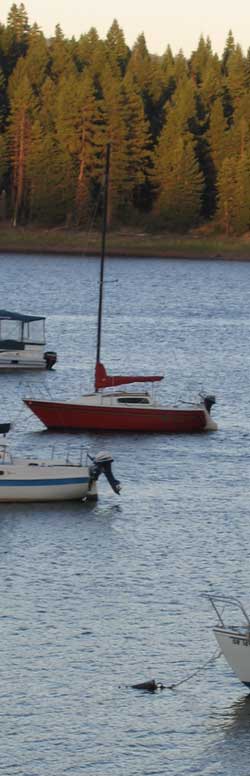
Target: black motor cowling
x: 102, y: 465
x: 50, y: 357
x: 4, y: 428
x: 209, y: 401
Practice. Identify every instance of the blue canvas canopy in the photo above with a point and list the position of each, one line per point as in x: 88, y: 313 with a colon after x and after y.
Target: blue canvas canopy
x: 6, y: 315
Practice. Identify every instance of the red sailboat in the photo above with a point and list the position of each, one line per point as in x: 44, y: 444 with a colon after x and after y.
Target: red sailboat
x: 120, y: 410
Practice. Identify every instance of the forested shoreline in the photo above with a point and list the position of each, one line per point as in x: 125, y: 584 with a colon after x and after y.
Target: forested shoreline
x: 179, y: 131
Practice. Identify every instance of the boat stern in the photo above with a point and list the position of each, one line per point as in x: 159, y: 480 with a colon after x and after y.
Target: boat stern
x: 208, y: 402
x: 92, y: 494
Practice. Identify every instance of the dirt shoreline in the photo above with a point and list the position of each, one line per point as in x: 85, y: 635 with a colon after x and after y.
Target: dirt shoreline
x: 121, y: 255
x: 126, y: 243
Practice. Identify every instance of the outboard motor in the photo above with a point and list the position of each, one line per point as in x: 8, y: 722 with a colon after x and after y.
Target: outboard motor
x: 102, y: 465
x: 4, y: 428
x: 50, y: 357
x: 209, y: 401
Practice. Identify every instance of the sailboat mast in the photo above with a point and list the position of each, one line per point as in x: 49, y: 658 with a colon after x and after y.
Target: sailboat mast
x: 104, y: 231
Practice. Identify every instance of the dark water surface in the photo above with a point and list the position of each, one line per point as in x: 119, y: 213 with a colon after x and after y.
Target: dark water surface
x: 98, y: 597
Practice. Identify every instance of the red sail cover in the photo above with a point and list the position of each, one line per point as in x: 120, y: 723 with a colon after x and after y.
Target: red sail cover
x: 102, y: 380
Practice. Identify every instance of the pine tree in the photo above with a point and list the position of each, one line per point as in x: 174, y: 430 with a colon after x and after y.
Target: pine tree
x: 234, y: 194
x: 226, y: 194
x: 139, y: 65
x: 201, y: 59
x: 228, y: 50
x: 247, y: 66
x: 180, y: 185
x: 22, y: 108
x: 241, y: 221
x: 16, y: 37
x: 116, y: 48
x: 239, y: 135
x: 236, y: 79
x: 61, y: 60
x: 180, y: 112
x: 180, y: 68
x: 37, y: 59
x: 17, y: 22
x: 80, y: 134
x: 87, y: 48
x: 139, y: 145
x: 47, y: 99
x: 3, y: 99
x: 116, y: 135
x: 167, y: 61
x: 3, y: 159
x: 217, y: 135
x: 211, y: 87
x: 166, y: 76
x: 149, y: 77
x: 48, y: 177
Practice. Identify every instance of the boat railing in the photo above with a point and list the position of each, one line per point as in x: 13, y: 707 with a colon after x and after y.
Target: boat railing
x: 5, y: 455
x: 220, y: 602
x: 72, y: 456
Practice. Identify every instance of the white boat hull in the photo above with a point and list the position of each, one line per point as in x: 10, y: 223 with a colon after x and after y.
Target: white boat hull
x: 235, y: 646
x: 23, y: 359
x: 41, y: 482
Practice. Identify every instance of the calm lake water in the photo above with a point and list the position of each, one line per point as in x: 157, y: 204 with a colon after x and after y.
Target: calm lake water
x: 97, y: 597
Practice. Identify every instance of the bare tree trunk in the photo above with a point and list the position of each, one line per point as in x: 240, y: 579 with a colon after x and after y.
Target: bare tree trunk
x: 19, y: 173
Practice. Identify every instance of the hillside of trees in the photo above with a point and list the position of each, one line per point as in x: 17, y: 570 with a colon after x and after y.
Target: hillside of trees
x: 179, y: 131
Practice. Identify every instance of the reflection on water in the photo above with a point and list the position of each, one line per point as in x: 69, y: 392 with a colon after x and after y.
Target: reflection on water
x: 238, y: 721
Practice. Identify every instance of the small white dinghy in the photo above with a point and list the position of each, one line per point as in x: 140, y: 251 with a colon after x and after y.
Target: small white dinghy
x: 29, y: 479
x: 233, y: 639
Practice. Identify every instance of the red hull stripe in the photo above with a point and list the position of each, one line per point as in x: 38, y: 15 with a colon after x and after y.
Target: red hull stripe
x: 75, y: 417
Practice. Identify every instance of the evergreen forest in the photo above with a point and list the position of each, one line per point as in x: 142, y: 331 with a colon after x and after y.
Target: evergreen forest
x: 178, y: 128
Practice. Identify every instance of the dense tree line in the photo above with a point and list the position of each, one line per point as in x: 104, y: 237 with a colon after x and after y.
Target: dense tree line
x: 179, y: 130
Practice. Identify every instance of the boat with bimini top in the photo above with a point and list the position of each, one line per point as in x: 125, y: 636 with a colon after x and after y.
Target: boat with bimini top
x: 22, y: 342
x: 123, y: 411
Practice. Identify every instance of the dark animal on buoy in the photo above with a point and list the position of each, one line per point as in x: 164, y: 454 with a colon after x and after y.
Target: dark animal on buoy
x: 150, y: 686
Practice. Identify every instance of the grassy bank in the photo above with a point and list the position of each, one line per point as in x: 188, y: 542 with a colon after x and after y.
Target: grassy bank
x: 125, y: 242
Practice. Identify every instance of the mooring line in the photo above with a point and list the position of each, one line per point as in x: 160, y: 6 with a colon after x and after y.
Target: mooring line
x: 211, y: 660
x: 152, y: 686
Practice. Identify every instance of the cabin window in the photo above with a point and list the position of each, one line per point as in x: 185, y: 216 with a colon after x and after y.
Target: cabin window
x: 133, y: 400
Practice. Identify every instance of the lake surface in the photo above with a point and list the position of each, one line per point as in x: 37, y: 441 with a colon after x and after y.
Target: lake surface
x: 97, y: 597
